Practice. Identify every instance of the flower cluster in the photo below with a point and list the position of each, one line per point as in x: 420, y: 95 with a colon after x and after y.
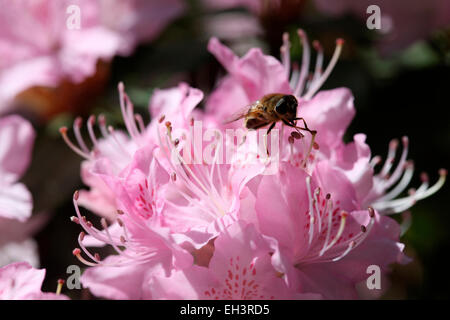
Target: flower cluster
x: 182, y: 227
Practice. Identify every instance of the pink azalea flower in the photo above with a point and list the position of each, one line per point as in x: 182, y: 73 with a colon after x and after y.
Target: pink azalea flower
x: 53, y: 52
x: 20, y: 281
x: 119, y: 147
x: 240, y: 268
x: 396, y: 28
x: 328, y: 112
x: 338, y: 239
x: 150, y: 194
x: 319, y: 215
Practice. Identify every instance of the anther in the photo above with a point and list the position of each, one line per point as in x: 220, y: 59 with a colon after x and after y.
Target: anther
x: 291, y: 139
x: 102, y: 119
x: 371, y: 212
x: 316, y: 45
x: 169, y: 126
x: 91, y: 119
x: 120, y: 212
x: 161, y: 119
x: 76, y: 195
x: 424, y: 177
x: 60, y: 283
x: 363, y: 228
x: 296, y: 135
x: 75, y: 219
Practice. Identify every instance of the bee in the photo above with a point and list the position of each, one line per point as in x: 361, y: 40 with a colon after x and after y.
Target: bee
x: 271, y: 109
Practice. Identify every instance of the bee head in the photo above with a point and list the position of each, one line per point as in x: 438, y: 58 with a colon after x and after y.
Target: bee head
x: 287, y: 104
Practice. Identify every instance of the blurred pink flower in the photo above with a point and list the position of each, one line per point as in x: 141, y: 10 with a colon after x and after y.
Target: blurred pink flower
x: 255, y: 6
x: 37, y: 48
x: 16, y: 143
x: 402, y: 23
x: 16, y: 223
x: 20, y: 281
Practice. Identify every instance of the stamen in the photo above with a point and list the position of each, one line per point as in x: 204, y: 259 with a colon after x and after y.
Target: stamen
x: 77, y: 124
x: 399, y: 169
x: 389, y: 159
x: 319, y: 60
x: 407, y: 176
x: 90, y: 125
x: 310, y: 211
x: 349, y: 248
x: 102, y: 124
x: 77, y: 253
x: 285, y: 54
x: 60, y: 283
x: 305, y: 63
x: 375, y: 161
x: 340, y: 230
x: 63, y: 131
x: 319, y: 82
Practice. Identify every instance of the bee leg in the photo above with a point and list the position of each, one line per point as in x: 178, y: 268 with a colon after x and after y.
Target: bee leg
x: 266, y: 136
x: 304, y: 123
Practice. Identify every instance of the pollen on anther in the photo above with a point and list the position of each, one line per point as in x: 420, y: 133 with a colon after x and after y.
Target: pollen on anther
x: 340, y: 41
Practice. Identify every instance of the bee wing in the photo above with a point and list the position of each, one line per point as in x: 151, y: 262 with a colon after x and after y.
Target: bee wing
x: 241, y: 113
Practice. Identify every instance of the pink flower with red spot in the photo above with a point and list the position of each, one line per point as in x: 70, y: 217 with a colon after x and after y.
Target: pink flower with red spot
x: 322, y: 230
x: 240, y: 268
